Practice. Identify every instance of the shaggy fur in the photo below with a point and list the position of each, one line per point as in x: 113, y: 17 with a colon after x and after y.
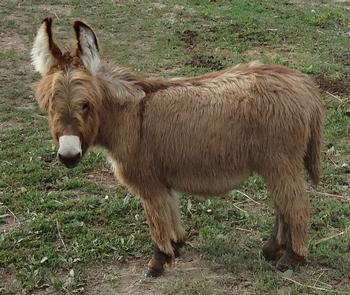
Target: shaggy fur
x: 201, y: 135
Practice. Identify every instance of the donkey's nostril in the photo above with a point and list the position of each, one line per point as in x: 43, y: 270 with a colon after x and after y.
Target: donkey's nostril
x: 69, y: 160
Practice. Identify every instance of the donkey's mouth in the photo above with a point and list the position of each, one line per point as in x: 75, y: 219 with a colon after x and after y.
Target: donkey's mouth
x: 70, y: 162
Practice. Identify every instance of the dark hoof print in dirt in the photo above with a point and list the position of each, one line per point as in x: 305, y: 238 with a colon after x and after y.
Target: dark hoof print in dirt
x: 153, y: 273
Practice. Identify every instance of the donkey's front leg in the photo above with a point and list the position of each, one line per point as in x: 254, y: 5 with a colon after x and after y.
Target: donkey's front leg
x: 163, y: 218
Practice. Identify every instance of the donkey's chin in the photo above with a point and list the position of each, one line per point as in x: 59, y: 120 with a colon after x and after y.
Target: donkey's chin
x: 70, y: 162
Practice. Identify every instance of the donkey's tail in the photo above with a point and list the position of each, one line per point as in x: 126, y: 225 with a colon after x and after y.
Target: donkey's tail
x: 312, y: 159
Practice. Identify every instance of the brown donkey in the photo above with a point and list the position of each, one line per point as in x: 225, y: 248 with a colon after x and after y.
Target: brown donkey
x: 201, y: 135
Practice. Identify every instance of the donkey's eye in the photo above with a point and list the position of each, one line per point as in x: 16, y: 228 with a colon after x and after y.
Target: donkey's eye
x: 85, y: 106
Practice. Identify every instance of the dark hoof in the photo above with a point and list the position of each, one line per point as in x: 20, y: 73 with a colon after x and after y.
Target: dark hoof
x: 153, y: 273
x: 270, y: 250
x: 290, y: 261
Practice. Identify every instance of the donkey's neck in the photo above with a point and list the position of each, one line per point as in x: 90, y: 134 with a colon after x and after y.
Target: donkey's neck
x: 123, y: 96
x: 119, y: 124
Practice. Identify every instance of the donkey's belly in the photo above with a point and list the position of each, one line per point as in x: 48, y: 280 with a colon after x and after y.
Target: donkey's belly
x: 207, y: 185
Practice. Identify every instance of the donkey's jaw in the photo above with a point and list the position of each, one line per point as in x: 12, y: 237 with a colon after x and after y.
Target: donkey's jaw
x: 69, y: 151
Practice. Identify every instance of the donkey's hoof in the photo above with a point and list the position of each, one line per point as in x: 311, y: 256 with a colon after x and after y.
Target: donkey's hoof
x: 153, y: 273
x: 270, y: 250
x: 290, y: 261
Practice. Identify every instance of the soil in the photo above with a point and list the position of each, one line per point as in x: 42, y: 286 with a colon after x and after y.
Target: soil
x: 9, y: 42
x: 258, y: 52
x: 102, y: 175
x: 344, y: 58
x: 128, y: 278
x: 253, y: 38
x: 189, y: 39
x: 56, y: 10
x: 8, y: 282
x: 207, y: 62
x: 333, y: 86
x: 11, y: 124
x: 9, y: 224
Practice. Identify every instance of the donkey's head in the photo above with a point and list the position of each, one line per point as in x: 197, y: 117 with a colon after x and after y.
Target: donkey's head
x: 68, y: 90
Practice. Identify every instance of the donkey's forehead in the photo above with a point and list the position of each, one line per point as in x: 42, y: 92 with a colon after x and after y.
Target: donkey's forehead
x: 67, y: 62
x: 71, y: 76
x: 72, y: 84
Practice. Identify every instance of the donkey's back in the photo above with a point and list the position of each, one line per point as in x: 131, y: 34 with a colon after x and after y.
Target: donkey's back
x: 206, y: 134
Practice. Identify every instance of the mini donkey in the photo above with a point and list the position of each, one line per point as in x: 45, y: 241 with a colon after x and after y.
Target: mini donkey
x: 201, y: 135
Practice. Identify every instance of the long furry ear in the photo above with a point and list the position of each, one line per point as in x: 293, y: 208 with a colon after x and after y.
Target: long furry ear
x: 87, y: 46
x: 45, y: 52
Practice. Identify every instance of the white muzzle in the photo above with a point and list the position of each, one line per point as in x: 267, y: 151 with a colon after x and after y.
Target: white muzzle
x: 69, y: 146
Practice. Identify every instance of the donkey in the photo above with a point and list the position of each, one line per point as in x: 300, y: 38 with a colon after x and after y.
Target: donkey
x: 202, y: 135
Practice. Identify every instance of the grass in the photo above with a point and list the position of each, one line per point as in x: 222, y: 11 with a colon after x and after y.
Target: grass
x: 56, y: 224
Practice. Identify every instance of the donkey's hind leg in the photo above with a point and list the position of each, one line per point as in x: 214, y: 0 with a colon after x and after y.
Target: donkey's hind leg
x: 163, y: 218
x: 277, y: 240
x: 288, y: 192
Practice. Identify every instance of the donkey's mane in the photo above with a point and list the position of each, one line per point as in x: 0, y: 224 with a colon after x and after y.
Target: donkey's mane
x: 126, y: 81
x: 123, y: 82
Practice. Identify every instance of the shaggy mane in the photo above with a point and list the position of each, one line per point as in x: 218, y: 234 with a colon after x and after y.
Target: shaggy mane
x: 124, y: 82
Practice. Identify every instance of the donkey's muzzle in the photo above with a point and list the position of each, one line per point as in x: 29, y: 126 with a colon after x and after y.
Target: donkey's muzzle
x: 69, y: 151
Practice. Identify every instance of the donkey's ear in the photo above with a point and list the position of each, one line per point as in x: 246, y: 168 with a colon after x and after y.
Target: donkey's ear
x: 87, y: 46
x: 45, y: 52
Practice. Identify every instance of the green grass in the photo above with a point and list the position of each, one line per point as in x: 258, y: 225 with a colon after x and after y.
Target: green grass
x: 71, y: 219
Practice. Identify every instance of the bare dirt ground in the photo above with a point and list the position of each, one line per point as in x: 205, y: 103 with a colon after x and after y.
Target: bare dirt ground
x: 127, y: 278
